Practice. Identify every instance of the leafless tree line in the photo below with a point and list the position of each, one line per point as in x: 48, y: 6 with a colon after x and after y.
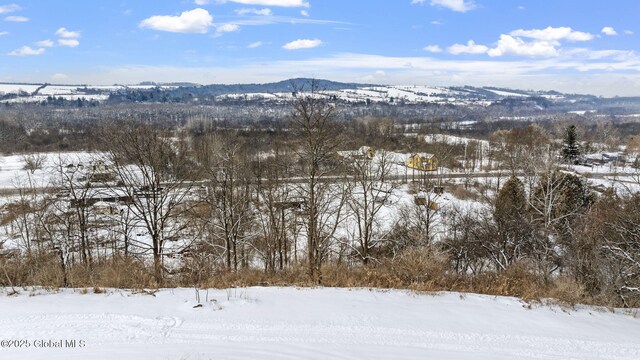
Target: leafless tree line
x: 218, y: 202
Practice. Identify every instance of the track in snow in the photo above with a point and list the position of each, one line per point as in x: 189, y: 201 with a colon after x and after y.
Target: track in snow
x: 288, y: 323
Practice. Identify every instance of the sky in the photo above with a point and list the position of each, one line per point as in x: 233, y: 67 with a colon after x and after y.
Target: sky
x: 575, y: 46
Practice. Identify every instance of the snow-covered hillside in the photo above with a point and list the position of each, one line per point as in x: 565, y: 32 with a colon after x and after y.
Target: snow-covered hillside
x: 30, y: 93
x: 387, y: 94
x: 322, y: 323
x: 391, y: 94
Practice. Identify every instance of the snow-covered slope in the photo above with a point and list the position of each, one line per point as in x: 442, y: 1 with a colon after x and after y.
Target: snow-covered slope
x: 13, y: 174
x: 323, y: 323
x: 353, y: 93
x: 385, y: 94
x: 30, y: 93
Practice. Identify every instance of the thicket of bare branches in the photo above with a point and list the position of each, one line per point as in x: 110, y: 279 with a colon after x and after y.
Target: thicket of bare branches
x: 223, y: 205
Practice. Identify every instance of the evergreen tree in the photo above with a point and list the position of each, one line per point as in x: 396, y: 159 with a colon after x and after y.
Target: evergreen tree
x: 513, y: 239
x: 570, y: 147
x: 511, y: 201
x: 573, y: 198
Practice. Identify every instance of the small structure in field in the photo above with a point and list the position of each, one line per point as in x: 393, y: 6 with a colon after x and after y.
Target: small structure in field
x: 422, y: 200
x: 295, y: 205
x: 100, y: 172
x: 363, y: 153
x: 105, y: 208
x: 96, y: 195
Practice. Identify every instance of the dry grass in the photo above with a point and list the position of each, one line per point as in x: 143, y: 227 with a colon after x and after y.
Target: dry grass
x: 421, y: 271
x: 45, y: 270
x: 460, y: 192
x: 415, y: 269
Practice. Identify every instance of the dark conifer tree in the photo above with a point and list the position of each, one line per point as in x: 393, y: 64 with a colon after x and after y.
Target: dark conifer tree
x: 570, y: 147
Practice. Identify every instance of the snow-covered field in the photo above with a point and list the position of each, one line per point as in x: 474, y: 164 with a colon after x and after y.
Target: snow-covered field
x: 67, y: 92
x: 454, y: 140
x: 16, y: 88
x: 506, y: 93
x: 385, y: 94
x: 321, y: 323
x: 13, y: 174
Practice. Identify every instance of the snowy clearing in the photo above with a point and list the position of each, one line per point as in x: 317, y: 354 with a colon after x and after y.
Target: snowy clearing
x: 13, y: 174
x: 321, y: 323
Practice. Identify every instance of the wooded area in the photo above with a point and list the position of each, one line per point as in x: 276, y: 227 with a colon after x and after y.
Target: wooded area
x: 205, y: 203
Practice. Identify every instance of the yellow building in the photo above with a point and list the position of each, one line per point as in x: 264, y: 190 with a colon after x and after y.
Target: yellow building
x: 423, y: 161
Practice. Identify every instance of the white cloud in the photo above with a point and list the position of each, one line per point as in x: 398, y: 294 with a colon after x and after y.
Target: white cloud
x: 588, y: 54
x: 226, y: 28
x: 628, y: 32
x: 470, y: 48
x: 608, y: 30
x: 509, y: 45
x: 541, y: 43
x: 3, y: 33
x: 256, y: 44
x: 302, y: 44
x: 193, y: 21
x: 66, y: 34
x: 5, y: 9
x: 16, y: 18
x: 553, y: 34
x: 68, y: 42
x: 436, y: 22
x: 27, y: 51
x: 455, y: 5
x: 201, y: 2
x: 520, y: 7
x: 45, y: 43
x: 263, y: 12
x: 304, y: 13
x: 433, y: 48
x: 529, y: 43
x: 281, y: 3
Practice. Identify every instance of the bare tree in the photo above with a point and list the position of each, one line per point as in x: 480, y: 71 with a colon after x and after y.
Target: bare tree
x: 277, y: 207
x: 557, y: 201
x: 369, y: 192
x: 422, y: 216
x: 464, y: 244
x: 606, y: 255
x: 314, y: 122
x: 155, y: 174
x: 71, y: 178
x: 24, y: 212
x: 229, y: 198
x: 524, y: 151
x: 33, y: 162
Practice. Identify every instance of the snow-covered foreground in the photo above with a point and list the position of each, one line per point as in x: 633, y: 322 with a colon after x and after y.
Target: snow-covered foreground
x: 324, y: 323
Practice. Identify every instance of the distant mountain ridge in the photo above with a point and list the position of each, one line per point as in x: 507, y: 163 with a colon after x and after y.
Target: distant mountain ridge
x: 281, y: 93
x: 284, y: 86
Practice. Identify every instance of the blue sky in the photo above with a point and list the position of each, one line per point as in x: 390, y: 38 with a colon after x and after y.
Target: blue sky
x: 587, y: 46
